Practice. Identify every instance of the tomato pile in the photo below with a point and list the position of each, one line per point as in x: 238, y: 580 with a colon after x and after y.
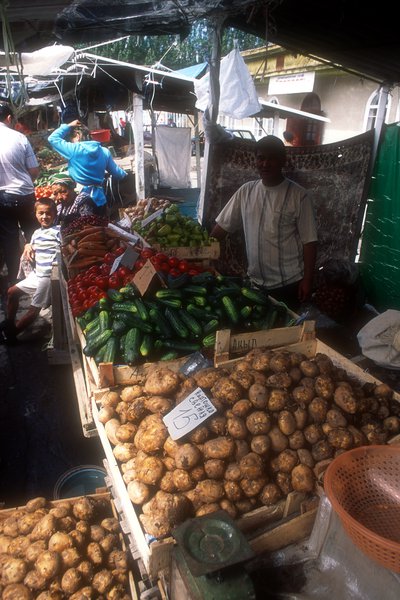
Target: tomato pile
x: 43, y: 191
x: 87, y: 288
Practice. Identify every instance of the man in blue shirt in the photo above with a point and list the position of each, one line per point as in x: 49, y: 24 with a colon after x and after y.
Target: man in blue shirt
x: 88, y: 160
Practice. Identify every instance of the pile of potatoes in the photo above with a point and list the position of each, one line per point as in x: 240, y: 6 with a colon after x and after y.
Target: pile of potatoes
x: 280, y: 417
x: 69, y: 550
x: 143, y: 208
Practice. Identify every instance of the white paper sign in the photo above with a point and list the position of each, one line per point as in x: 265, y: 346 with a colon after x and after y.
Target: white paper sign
x: 151, y: 217
x: 189, y: 414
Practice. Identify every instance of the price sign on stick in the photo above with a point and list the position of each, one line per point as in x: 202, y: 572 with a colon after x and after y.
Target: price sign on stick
x: 189, y: 414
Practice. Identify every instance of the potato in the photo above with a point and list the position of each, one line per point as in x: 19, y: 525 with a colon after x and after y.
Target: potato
x: 258, y: 422
x: 135, y: 410
x: 164, y: 512
x: 110, y: 399
x: 158, y: 404
x: 284, y: 482
x: 170, y: 446
x: 84, y: 508
x: 109, y: 542
x: 280, y: 362
x: 286, y: 422
x: 34, y: 549
x: 260, y: 361
x: 236, y: 428
x: 251, y: 466
x: 217, y: 424
x: 10, y: 526
x: 151, y: 434
x: 169, y: 463
x: 78, y: 539
x: 111, y: 428
x: 48, y: 564
x: 124, y: 451
x: 214, y: 468
x: 83, y: 527
x: 227, y: 390
x: 270, y: 494
x: 199, y: 435
x: 71, y: 581
x: 232, y: 472
x: 138, y: 492
x: 260, y: 444
x: 317, y: 410
x: 59, y: 541
x: 97, y: 533
x: 149, y: 469
x: 13, y: 570
x: 336, y: 418
x: 241, y: 408
x: 345, y: 400
x: 241, y: 449
x: 4, y: 543
x: 86, y: 569
x: 324, y: 363
x: 44, y: 529
x: 187, y: 387
x: 220, y: 447
x: 313, y: 433
x: 126, y: 432
x: 321, y: 450
x: 18, y: 546
x: 206, y: 378
x: 245, y: 505
x: 252, y: 487
x: 210, y: 490
x: 27, y: 522
x: 297, y: 440
x: 341, y: 437
x: 382, y: 390
x: 324, y: 387
x: 35, y: 504
x: 228, y: 507
x: 303, y: 479
x: 84, y: 593
x: 207, y: 509
x: 308, y: 382
x: 198, y: 473
x: 277, y: 400
x: 244, y: 378
x: 305, y: 457
x: 106, y: 414
x: 279, y: 380
x: 309, y: 368
x: 258, y: 395
x: 295, y: 375
x: 303, y: 395
x: 233, y: 491
x: 50, y: 595
x: 16, y: 591
x: 392, y: 425
x: 182, y: 480
x: 95, y: 554
x: 287, y: 460
x: 102, y: 581
x: 161, y: 382
x: 131, y: 392
x: 279, y: 441
x: 60, y: 512
x: 301, y: 417
x: 166, y: 483
x: 187, y: 456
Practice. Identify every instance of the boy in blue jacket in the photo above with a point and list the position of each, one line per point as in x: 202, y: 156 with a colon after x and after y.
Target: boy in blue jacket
x: 88, y: 160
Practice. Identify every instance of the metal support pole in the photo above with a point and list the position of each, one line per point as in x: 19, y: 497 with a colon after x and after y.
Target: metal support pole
x: 139, y: 146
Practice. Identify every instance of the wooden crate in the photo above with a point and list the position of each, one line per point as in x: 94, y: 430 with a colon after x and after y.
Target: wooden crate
x: 59, y: 351
x: 229, y: 348
x: 8, y: 512
x: 156, y: 554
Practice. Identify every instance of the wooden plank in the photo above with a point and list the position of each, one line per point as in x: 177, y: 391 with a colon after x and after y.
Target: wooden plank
x: 60, y: 341
x: 290, y: 532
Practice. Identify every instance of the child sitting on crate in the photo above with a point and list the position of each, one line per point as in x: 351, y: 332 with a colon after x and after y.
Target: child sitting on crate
x: 42, y: 249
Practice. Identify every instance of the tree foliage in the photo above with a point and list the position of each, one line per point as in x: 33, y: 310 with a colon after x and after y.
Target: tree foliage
x: 174, y: 53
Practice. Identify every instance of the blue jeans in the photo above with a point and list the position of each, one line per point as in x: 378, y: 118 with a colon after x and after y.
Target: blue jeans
x: 15, y: 212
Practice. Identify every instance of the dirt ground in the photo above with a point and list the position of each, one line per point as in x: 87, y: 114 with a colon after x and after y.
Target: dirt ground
x: 40, y: 430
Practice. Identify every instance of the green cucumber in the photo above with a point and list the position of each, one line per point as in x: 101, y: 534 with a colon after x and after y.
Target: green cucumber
x: 141, y: 309
x: 111, y: 348
x: 128, y: 292
x: 210, y: 326
x: 168, y: 293
x: 230, y: 309
x: 256, y: 296
x: 246, y: 311
x: 97, y: 342
x: 163, y: 324
x: 179, y: 328
x: 170, y: 355
x: 99, y: 356
x: 191, y: 323
x: 115, y: 295
x: 146, y: 345
x: 209, y: 340
x: 92, y: 325
x: 195, y: 290
x: 182, y: 346
x: 127, y: 306
x: 170, y: 302
x: 199, y: 300
x: 203, y: 278
x: 104, y: 320
x: 200, y: 313
x: 132, y: 345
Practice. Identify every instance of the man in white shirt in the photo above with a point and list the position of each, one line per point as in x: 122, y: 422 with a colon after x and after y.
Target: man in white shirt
x: 279, y: 227
x: 18, y: 170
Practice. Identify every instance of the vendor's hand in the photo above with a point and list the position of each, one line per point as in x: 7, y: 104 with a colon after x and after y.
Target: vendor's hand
x: 304, y: 291
x: 28, y: 253
x: 74, y: 123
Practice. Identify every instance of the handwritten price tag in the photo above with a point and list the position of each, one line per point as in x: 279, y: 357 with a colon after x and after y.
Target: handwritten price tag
x: 189, y: 414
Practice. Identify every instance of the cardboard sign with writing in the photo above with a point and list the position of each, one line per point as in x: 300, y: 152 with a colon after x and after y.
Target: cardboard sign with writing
x: 127, y: 259
x: 151, y: 217
x: 189, y: 414
x: 146, y: 277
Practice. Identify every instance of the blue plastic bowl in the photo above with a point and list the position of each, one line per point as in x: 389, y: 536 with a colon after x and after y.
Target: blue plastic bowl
x: 79, y: 481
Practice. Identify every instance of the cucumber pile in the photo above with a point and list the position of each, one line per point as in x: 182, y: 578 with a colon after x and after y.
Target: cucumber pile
x: 125, y: 328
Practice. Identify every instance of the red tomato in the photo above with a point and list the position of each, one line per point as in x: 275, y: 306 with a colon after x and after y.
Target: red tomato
x: 113, y: 281
x: 119, y: 251
x: 139, y: 264
x: 175, y: 272
x: 105, y: 269
x: 93, y: 270
x: 127, y: 279
x: 147, y: 253
x: 101, y: 281
x: 164, y: 266
x: 109, y: 258
x: 123, y: 271
x: 184, y: 266
x: 81, y: 295
x: 192, y: 272
x: 76, y: 311
x: 161, y: 257
x: 173, y: 261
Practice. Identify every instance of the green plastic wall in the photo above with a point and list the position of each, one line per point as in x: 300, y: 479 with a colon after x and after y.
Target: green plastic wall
x: 380, y: 249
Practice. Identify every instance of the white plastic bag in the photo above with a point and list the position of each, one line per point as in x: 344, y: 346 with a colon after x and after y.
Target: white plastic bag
x: 238, y: 97
x: 379, y: 339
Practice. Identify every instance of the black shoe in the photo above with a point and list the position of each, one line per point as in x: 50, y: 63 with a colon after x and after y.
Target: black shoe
x: 8, y: 333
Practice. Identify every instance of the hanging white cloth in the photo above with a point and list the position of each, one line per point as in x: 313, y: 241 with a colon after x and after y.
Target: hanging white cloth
x: 173, y: 145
